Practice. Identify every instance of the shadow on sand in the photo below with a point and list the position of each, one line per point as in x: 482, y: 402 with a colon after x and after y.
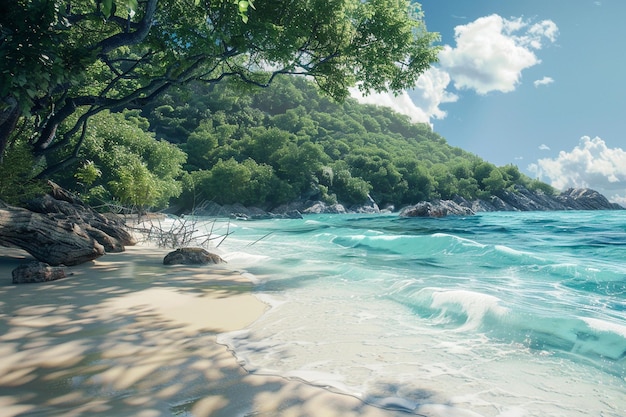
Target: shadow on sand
x: 126, y: 336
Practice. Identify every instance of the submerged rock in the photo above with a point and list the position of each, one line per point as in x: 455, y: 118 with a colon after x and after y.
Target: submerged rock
x: 191, y: 256
x: 35, y: 271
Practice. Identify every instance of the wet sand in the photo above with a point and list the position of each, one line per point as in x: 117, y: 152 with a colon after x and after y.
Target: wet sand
x: 127, y: 336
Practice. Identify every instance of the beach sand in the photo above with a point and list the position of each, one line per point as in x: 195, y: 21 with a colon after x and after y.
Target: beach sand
x: 127, y: 336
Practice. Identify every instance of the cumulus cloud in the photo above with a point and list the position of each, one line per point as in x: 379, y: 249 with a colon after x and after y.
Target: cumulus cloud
x: 543, y: 81
x: 544, y: 147
x: 490, y: 55
x: 491, y: 52
x: 591, y: 164
x: 421, y: 104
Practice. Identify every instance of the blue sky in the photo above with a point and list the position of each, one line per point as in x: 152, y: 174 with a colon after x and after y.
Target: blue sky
x: 536, y: 83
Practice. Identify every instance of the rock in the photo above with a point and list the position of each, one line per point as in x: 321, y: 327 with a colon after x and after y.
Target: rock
x: 35, y: 271
x: 438, y: 208
x: 586, y: 199
x: 49, y: 239
x: 369, y: 207
x: 108, y: 231
x: 319, y: 207
x: 58, y: 228
x: 522, y: 199
x: 191, y: 256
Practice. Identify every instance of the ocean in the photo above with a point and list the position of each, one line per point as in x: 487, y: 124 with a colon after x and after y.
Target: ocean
x: 508, y: 314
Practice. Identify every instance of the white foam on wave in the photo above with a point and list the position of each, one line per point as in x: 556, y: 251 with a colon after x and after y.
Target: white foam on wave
x: 605, y: 326
x: 244, y: 258
x: 475, y: 305
x: 463, y: 240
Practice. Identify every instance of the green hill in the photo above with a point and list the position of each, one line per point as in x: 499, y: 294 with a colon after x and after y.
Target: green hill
x: 265, y: 147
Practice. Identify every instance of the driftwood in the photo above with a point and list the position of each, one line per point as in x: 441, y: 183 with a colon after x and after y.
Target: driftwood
x: 48, y: 240
x: 58, y: 228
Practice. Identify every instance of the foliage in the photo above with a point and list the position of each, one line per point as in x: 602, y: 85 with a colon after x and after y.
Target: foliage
x: 16, y: 173
x: 82, y: 82
x: 265, y: 148
x: 64, y: 62
x: 123, y: 163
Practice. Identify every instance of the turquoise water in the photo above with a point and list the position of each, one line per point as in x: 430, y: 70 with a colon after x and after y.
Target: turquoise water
x: 498, y: 314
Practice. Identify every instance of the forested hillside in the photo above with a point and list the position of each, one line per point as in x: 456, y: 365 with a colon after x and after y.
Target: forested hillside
x: 265, y: 147
x: 149, y: 104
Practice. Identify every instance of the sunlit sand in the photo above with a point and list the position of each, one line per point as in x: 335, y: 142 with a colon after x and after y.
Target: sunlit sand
x: 125, y: 335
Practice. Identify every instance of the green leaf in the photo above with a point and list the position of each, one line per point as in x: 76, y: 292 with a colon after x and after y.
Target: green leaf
x: 31, y: 93
x: 107, y: 7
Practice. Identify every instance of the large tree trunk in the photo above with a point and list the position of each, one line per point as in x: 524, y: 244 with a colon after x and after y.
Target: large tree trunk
x: 49, y: 240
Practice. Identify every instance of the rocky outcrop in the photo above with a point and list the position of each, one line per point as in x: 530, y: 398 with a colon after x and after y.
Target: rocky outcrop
x: 586, y: 199
x: 438, y: 208
x: 191, y: 256
x: 59, y: 204
x: 53, y: 241
x: 59, y: 229
x: 34, y: 271
x: 517, y: 199
x: 520, y: 199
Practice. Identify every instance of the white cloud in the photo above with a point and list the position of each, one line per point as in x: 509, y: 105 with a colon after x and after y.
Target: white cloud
x: 400, y: 103
x: 538, y: 31
x: 591, y: 164
x: 544, y: 147
x: 491, y: 52
x: 543, y: 81
x: 421, y: 104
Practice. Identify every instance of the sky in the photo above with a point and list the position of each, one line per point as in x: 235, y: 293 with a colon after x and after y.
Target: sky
x: 540, y: 84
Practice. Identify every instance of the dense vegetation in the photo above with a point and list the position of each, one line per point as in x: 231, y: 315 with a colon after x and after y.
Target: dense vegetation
x: 270, y: 146
x: 157, y: 102
x: 64, y: 62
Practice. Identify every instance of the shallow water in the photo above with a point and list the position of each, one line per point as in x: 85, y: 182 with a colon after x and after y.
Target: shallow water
x: 498, y: 314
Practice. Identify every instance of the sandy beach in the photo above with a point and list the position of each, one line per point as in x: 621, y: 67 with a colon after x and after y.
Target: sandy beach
x: 127, y: 336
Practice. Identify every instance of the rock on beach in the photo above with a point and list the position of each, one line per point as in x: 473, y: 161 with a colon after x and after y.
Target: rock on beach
x: 191, y: 256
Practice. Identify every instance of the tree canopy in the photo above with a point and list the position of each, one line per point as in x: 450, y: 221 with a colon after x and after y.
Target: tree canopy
x: 64, y: 61
x: 274, y: 146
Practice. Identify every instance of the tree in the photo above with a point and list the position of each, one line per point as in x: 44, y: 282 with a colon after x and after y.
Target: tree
x: 122, y: 162
x: 63, y: 58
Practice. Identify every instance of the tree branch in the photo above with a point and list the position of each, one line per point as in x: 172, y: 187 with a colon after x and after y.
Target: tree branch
x: 130, y: 38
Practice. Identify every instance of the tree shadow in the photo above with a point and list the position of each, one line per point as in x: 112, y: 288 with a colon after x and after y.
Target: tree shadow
x: 127, y: 336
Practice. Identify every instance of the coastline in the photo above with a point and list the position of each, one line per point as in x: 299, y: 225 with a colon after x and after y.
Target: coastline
x: 126, y: 335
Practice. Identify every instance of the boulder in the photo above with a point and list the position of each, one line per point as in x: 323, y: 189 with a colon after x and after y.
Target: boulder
x: 319, y: 207
x: 48, y: 239
x: 108, y: 231
x: 58, y: 228
x: 438, y: 208
x: 35, y: 271
x: 191, y: 256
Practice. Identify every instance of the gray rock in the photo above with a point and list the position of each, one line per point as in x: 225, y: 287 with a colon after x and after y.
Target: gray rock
x: 586, y: 199
x: 319, y: 207
x: 191, y: 256
x: 438, y: 208
x: 34, y: 271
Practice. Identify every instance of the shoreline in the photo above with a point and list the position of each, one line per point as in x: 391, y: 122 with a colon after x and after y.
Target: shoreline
x: 126, y: 335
